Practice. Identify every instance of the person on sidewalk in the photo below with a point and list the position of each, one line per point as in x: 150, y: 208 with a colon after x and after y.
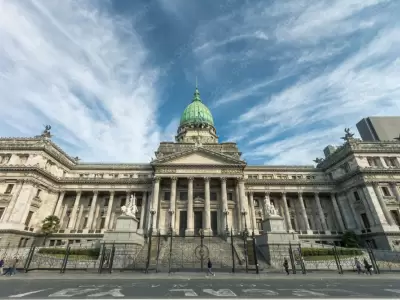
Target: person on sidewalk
x: 358, y: 266
x: 1, y: 266
x: 367, y: 266
x: 209, y: 266
x: 286, y: 266
x: 12, y: 269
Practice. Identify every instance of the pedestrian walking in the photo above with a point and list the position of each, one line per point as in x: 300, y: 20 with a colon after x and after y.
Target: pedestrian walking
x: 1, y: 266
x: 367, y: 266
x: 286, y: 266
x: 11, y: 270
x: 358, y: 265
x: 209, y: 266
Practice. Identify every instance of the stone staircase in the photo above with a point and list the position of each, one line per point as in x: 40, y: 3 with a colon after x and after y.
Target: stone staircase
x: 185, y: 253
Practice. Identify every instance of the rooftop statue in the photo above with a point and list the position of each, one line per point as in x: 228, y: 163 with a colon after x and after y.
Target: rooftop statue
x: 348, y: 136
x: 318, y: 160
x: 46, y: 132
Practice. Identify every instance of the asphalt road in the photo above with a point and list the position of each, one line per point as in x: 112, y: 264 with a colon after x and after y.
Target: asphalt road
x: 198, y: 288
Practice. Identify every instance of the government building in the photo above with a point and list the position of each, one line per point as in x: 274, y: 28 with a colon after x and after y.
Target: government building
x: 198, y: 183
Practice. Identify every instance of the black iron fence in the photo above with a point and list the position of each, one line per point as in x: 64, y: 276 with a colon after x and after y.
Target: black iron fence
x: 231, y: 253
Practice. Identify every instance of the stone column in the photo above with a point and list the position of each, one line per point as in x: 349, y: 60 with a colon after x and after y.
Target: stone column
x: 71, y: 224
x: 109, y: 210
x: 242, y: 196
x: 382, y: 203
x: 351, y: 201
x: 304, y: 212
x: 92, y: 210
x: 286, y: 212
x: 266, y: 204
x: 337, y: 212
x: 238, y: 208
x: 156, y: 191
x: 143, y: 210
x: 172, y: 203
x: 57, y: 211
x: 96, y: 217
x: 320, y: 212
x: 395, y: 190
x: 253, y: 213
x: 78, y: 221
x: 207, y: 205
x: 190, y: 221
x: 224, y: 198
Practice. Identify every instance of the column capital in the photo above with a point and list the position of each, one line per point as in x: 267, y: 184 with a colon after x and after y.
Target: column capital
x: 223, y: 179
x: 174, y: 179
x: 190, y: 178
x: 78, y: 192
x: 112, y: 193
x: 251, y: 193
x: 156, y: 179
x: 266, y: 194
x: 316, y: 194
x: 206, y: 179
x: 300, y: 194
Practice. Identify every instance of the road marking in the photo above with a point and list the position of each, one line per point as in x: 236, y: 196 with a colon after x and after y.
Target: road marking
x: 304, y: 293
x: 187, y: 292
x: 220, y: 292
x: 393, y: 291
x: 28, y: 293
x: 112, y: 293
x: 258, y: 292
x: 71, y: 292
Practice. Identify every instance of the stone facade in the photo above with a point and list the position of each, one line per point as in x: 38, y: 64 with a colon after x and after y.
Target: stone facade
x: 200, y: 184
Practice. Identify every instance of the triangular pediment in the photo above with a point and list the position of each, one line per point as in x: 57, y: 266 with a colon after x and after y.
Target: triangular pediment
x: 198, y: 156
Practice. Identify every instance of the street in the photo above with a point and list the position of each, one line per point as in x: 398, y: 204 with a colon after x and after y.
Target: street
x: 212, y: 287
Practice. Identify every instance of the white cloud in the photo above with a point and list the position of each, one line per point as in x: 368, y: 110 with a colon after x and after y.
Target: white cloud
x: 74, y: 66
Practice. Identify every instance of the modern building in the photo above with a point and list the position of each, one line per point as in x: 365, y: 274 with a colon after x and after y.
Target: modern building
x: 198, y: 183
x: 376, y: 129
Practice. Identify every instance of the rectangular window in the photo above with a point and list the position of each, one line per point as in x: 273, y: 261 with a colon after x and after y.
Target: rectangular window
x: 391, y: 161
x: 142, y: 176
x: 386, y: 191
x: 106, y: 201
x: 28, y: 218
x: 293, y: 176
x: 167, y: 196
x: 90, y: 201
x: 396, y: 217
x: 52, y: 243
x: 371, y: 162
x: 213, y: 196
x: 123, y: 201
x: 288, y: 203
x: 365, y: 220
x: 9, y: 189
x: 259, y: 224
x: 183, y: 196
x: 357, y: 196
x: 85, y: 222
x: 1, y: 211
x: 38, y: 193
x: 230, y: 196
x: 293, y: 224
x: 102, y: 223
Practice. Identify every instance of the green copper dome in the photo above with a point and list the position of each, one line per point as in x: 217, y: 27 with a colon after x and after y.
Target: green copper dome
x: 196, y: 112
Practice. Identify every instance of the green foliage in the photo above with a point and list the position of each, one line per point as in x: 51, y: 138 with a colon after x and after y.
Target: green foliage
x: 92, y: 252
x: 350, y: 240
x: 50, y: 225
x: 328, y: 251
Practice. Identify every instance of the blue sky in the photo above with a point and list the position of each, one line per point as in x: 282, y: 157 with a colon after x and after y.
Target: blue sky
x: 282, y: 78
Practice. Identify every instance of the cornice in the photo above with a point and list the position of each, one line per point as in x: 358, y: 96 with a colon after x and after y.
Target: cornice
x: 288, y: 182
x: 282, y: 169
x: 367, y: 171
x: 77, y: 180
x: 191, y: 166
x: 111, y: 167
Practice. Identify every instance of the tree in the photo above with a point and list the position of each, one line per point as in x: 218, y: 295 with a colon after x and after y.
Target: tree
x: 350, y: 240
x: 50, y: 225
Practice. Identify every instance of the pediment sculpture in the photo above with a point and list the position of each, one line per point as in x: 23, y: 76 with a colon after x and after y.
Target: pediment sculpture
x: 130, y: 209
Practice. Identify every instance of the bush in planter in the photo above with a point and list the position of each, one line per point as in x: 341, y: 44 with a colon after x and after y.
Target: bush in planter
x: 94, y: 252
x: 328, y: 252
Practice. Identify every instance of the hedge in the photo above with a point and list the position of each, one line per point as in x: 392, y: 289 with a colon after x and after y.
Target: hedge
x: 328, y: 251
x: 95, y: 252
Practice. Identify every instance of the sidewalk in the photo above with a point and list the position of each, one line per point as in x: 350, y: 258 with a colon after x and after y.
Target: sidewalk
x: 127, y: 275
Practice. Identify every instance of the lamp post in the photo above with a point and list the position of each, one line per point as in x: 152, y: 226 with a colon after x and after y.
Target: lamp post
x: 226, y: 213
x: 171, y: 212
x: 245, y: 235
x: 152, y: 213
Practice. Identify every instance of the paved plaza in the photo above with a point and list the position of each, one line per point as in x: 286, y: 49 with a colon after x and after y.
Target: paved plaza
x: 38, y: 285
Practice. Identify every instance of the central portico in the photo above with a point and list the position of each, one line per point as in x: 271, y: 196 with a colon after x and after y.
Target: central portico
x: 198, y: 181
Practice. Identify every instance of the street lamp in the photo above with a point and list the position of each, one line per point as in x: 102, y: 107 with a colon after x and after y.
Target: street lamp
x: 171, y: 212
x: 152, y: 213
x: 245, y: 235
x: 226, y: 213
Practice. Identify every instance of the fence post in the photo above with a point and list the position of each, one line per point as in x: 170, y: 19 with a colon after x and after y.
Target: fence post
x: 245, y: 250
x: 29, y: 258
x: 292, y: 262
x: 65, y: 260
x: 255, y: 252
x: 202, y: 248
x: 337, y: 260
x: 233, y: 253
x: 158, y: 250
x: 170, y: 250
x: 102, y: 254
x: 111, y: 258
x: 373, y: 260
x: 303, y: 266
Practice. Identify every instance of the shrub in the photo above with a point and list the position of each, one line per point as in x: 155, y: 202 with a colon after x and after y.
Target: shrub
x: 93, y: 252
x: 328, y: 251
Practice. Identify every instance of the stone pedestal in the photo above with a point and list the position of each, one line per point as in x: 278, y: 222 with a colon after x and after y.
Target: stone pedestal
x: 275, y: 233
x: 126, y: 232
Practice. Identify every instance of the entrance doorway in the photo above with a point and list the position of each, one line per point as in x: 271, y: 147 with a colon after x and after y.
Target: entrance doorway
x: 182, y: 222
x: 198, y: 221
x: 214, y: 222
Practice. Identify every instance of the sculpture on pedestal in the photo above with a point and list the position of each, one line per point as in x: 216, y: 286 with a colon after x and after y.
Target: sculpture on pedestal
x: 130, y: 209
x: 271, y: 210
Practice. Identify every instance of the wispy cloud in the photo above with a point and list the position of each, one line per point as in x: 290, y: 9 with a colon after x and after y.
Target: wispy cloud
x: 331, y: 63
x: 73, y: 65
